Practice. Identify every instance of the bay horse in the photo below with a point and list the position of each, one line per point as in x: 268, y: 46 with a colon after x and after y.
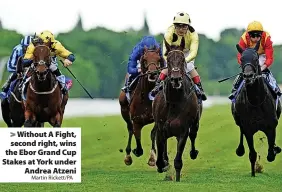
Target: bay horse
x: 137, y: 112
x: 255, y: 108
x: 176, y: 111
x: 44, y: 101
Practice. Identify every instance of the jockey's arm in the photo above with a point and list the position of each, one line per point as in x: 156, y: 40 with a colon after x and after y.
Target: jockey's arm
x: 243, y: 45
x: 193, y: 47
x: 61, y: 51
x: 132, y: 63
x: 268, y: 49
x: 12, y: 62
x: 28, y: 57
x: 168, y: 38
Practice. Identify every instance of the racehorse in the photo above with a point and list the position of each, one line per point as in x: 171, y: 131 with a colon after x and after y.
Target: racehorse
x: 255, y: 108
x: 12, y: 108
x: 138, y: 111
x: 44, y: 100
x: 176, y: 110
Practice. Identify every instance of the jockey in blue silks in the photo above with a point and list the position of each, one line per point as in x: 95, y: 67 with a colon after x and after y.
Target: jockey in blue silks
x: 133, y: 65
x: 18, y: 51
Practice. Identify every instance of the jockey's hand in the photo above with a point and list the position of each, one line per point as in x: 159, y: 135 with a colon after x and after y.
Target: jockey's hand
x: 139, y: 70
x: 263, y: 67
x: 67, y: 62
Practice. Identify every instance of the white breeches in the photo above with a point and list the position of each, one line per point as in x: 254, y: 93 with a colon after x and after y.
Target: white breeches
x: 54, y: 65
x: 189, y: 66
x: 262, y: 59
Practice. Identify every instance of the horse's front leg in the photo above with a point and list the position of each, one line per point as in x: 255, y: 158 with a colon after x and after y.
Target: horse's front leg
x: 138, y: 151
x: 56, y: 120
x: 193, y: 135
x: 161, y: 141
x: 272, y: 149
x: 6, y: 112
x: 181, y: 142
x: 29, y: 117
x: 252, y: 153
x: 152, y: 158
x: 240, y: 151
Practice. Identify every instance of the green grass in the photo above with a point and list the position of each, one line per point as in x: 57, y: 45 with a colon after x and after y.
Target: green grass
x: 217, y: 167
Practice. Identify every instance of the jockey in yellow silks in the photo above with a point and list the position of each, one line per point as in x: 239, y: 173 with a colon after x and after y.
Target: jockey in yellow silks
x: 182, y: 28
x: 57, y: 49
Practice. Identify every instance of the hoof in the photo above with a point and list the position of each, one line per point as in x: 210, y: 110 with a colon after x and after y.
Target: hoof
x: 57, y: 125
x: 240, y: 151
x: 271, y: 157
x: 152, y: 162
x: 277, y: 149
x: 128, y: 160
x: 163, y: 167
x: 152, y: 159
x: 28, y: 123
x: 194, y: 154
x: 137, y: 153
x: 161, y: 170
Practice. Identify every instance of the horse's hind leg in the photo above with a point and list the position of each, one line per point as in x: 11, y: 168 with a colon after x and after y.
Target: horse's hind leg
x: 6, y: 112
x: 240, y: 151
x: 152, y: 158
x: 124, y: 109
x: 181, y: 142
x: 193, y: 135
x: 272, y: 149
x: 252, y: 153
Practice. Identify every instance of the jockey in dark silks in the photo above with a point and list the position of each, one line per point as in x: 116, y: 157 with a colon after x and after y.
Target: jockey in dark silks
x: 18, y: 51
x: 133, y: 67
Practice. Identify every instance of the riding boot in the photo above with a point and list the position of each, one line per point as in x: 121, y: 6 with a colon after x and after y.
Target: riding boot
x: 203, y: 95
x: 62, y: 80
x: 7, y: 84
x: 126, y: 87
x: 236, y: 85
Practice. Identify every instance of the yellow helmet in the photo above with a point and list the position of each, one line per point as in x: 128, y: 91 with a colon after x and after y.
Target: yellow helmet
x: 47, y: 36
x: 182, y: 18
x: 255, y: 26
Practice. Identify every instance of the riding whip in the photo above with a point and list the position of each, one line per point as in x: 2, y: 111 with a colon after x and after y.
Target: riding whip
x: 77, y: 80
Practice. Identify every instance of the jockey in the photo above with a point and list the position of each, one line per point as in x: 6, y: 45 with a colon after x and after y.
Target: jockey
x: 133, y: 67
x: 18, y: 51
x: 57, y: 49
x: 249, y: 39
x: 182, y: 28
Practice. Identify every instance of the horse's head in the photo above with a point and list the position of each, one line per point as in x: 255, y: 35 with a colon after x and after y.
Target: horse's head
x: 150, y: 62
x: 250, y: 63
x: 41, y: 61
x: 175, y: 63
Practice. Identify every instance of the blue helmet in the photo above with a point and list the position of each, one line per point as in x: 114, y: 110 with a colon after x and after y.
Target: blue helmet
x: 26, y: 40
x: 150, y: 42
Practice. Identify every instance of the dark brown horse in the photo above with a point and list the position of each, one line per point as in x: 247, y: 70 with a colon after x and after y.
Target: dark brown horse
x: 44, y: 102
x: 256, y: 108
x: 176, y: 111
x: 138, y: 112
x: 12, y: 107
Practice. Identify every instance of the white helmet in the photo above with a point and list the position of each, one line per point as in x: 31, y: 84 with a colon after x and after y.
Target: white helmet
x: 182, y: 18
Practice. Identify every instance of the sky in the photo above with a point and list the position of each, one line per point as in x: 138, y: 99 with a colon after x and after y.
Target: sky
x: 208, y: 17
